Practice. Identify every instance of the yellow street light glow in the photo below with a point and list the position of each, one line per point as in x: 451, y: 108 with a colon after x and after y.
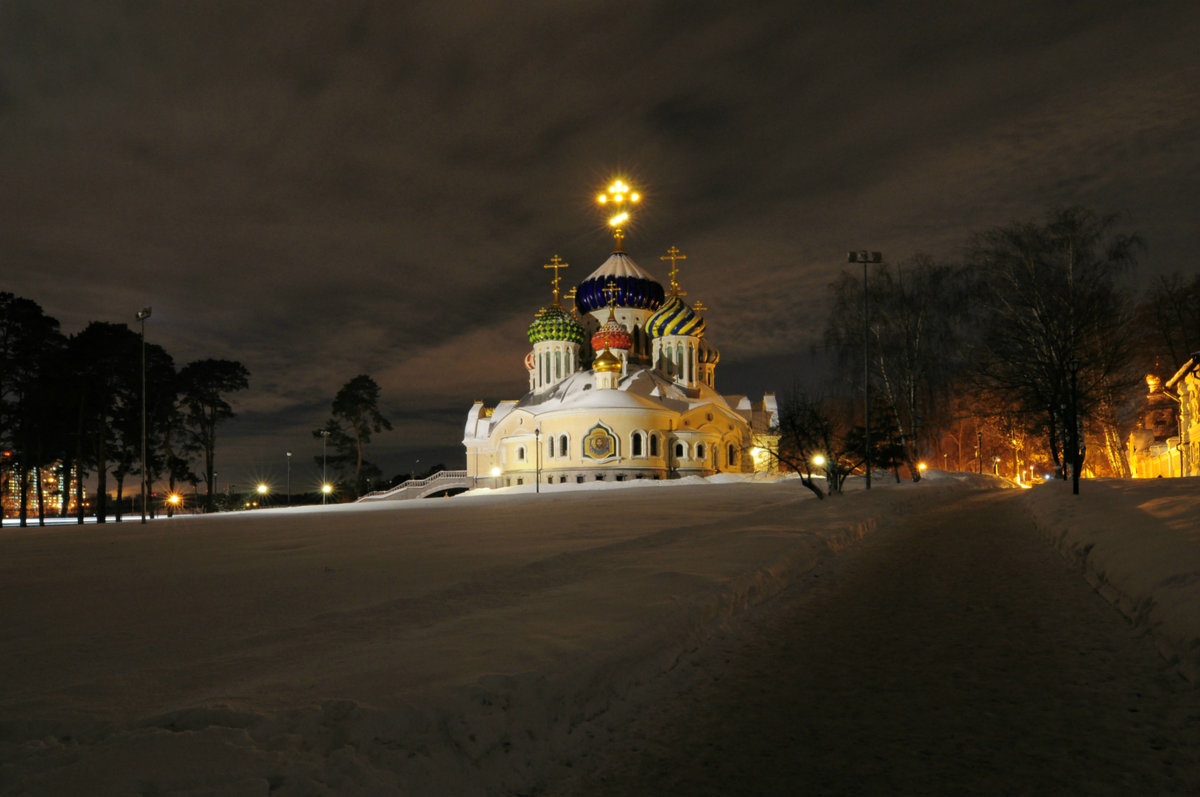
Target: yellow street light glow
x: 495, y: 472
x: 327, y: 488
x: 173, y: 498
x: 818, y: 460
x: 262, y: 489
x: 921, y: 466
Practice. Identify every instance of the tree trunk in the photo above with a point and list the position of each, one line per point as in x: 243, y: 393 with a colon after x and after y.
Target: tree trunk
x: 101, y: 479
x: 120, y: 477
x: 23, y: 486
x: 41, y: 496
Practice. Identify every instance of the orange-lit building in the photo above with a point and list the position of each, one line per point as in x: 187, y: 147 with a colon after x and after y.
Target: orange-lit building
x: 1167, y: 441
x: 55, y: 487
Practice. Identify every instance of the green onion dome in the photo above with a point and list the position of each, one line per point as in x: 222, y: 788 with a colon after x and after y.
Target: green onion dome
x: 675, y: 317
x: 555, y: 323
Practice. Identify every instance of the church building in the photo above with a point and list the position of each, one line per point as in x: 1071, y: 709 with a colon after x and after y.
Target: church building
x: 622, y: 385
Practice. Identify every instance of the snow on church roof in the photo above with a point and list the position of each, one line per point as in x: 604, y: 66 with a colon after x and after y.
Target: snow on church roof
x: 641, y: 388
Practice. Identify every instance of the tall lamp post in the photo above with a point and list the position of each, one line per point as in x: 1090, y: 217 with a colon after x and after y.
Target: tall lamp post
x: 1074, y: 433
x: 866, y: 257
x: 142, y: 315
x: 289, y: 477
x: 324, y: 483
x: 537, y: 474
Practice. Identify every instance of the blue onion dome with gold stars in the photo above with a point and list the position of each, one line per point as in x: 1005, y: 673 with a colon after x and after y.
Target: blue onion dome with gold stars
x: 707, y: 354
x: 555, y: 323
x: 675, y: 317
x: 634, y: 287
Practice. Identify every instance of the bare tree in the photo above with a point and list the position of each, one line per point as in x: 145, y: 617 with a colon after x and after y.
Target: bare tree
x: 1056, y: 324
x: 914, y: 347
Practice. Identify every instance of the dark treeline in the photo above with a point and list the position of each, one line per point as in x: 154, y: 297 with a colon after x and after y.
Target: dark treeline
x: 1031, y: 351
x: 75, y: 402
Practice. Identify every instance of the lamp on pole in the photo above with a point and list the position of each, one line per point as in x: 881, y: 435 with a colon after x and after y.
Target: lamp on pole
x: 537, y: 474
x: 324, y: 483
x: 289, y: 477
x: 142, y: 315
x: 866, y: 257
x: 1073, y: 435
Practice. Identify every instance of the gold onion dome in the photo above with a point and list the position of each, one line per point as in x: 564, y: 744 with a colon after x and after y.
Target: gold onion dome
x: 675, y: 317
x: 555, y: 323
x: 611, y: 335
x: 606, y: 362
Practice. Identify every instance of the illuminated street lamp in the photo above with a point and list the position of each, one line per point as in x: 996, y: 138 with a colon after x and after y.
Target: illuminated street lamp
x: 262, y: 491
x: 142, y: 315
x: 289, y: 478
x: 324, y: 483
x: 866, y: 257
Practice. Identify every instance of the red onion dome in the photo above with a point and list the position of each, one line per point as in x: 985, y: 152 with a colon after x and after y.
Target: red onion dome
x: 611, y: 335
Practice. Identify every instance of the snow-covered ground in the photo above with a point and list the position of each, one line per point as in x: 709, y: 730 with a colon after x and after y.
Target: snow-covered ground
x: 449, y: 646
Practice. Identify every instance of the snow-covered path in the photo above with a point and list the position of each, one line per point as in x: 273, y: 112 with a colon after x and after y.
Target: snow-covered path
x: 953, y: 651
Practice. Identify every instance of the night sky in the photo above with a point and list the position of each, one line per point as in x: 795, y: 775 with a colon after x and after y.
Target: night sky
x: 325, y: 189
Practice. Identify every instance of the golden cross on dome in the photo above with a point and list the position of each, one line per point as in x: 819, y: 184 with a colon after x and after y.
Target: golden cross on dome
x: 699, y: 306
x: 673, y: 254
x: 556, y: 263
x: 616, y: 197
x: 610, y: 291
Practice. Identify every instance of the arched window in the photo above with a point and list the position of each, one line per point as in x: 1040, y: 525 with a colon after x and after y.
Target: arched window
x: 520, y: 453
x: 732, y: 455
x: 550, y: 444
x: 562, y: 445
x: 637, y: 444
x: 653, y: 445
x: 558, y: 365
x: 699, y: 450
x: 680, y: 451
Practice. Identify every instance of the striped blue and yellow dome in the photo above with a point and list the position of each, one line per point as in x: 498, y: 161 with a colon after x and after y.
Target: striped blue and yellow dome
x: 675, y: 317
x: 555, y: 323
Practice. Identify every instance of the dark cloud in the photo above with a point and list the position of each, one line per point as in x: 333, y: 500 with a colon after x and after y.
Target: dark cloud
x: 321, y: 190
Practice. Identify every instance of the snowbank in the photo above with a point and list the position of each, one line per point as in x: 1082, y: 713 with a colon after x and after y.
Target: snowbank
x: 447, y: 646
x: 1138, y: 542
